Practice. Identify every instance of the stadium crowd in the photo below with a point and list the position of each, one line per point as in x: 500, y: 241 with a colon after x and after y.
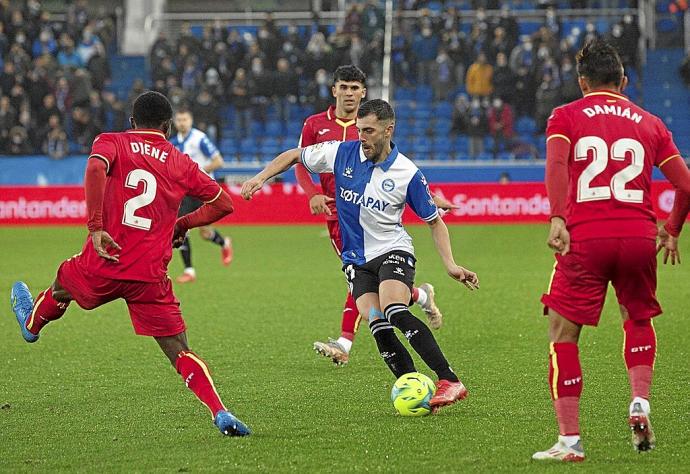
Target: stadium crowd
x: 53, y: 78
x: 55, y: 75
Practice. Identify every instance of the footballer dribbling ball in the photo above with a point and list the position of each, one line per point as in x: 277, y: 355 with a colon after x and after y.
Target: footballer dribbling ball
x: 411, y: 394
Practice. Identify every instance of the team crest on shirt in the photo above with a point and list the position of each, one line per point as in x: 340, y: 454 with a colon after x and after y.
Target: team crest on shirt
x: 388, y: 185
x: 348, y: 172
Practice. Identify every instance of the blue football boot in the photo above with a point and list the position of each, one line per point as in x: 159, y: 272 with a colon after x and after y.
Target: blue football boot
x: 229, y: 425
x: 22, y: 305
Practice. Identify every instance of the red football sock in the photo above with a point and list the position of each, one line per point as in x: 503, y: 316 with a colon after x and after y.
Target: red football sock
x: 351, y: 319
x: 415, y: 294
x: 639, y: 350
x: 46, y: 309
x: 565, y: 384
x: 198, y: 379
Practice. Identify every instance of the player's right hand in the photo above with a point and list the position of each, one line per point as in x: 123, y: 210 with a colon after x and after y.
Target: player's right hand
x: 251, y: 186
x: 559, y: 237
x: 319, y: 204
x: 103, y: 243
x: 669, y: 244
x: 179, y: 234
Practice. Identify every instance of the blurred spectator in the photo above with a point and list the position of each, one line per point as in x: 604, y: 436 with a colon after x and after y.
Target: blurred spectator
x: 206, y: 114
x: 425, y: 50
x: 504, y: 178
x: 44, y: 44
x: 55, y: 143
x: 84, y: 130
x: 99, y: 68
x: 501, y: 125
x: 8, y: 119
x: 443, y: 75
x: 240, y: 92
x: 319, y: 91
x: 548, y: 97
x: 504, y: 79
x: 262, y: 89
x: 286, y: 90
x: 48, y: 109
x: 684, y: 70
x: 461, y: 115
x: 18, y: 141
x: 479, y: 77
x: 477, y: 128
x: 570, y: 88
x: 68, y: 57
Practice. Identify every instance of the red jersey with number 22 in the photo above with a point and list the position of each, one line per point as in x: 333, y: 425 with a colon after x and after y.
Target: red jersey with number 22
x: 147, y: 177
x: 614, y: 145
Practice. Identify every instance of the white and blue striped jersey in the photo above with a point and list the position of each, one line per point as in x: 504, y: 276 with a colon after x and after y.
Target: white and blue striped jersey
x: 371, y: 197
x: 197, y: 145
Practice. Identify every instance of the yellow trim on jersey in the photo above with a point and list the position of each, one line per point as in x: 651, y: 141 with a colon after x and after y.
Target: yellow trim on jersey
x: 107, y: 162
x: 359, y: 320
x: 558, y: 135
x: 206, y: 372
x: 148, y: 132
x: 553, y: 274
x: 344, y: 125
x: 612, y: 94
x: 220, y: 191
x: 554, y: 364
x: 33, y: 313
x: 651, y: 322
x: 668, y: 159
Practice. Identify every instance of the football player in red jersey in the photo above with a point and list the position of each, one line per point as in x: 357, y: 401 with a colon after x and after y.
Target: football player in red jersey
x: 134, y: 184
x: 338, y: 123
x: 600, y: 153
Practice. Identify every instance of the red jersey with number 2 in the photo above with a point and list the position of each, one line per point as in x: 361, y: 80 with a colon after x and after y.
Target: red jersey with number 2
x: 147, y: 177
x: 614, y: 145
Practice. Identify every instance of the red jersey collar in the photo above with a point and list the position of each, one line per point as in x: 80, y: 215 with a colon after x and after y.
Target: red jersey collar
x: 607, y: 93
x: 148, y: 131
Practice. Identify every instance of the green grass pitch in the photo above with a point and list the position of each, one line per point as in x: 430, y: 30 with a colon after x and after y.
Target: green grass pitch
x: 92, y: 396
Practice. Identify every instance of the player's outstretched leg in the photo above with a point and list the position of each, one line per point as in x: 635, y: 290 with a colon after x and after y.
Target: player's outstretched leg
x: 212, y: 235
x: 449, y: 388
x: 339, y: 350
x: 32, y: 316
x: 197, y: 378
x: 425, y: 297
x: 189, y: 274
x: 639, y: 350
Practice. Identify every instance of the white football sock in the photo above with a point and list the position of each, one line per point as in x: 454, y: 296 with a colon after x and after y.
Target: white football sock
x: 346, y: 343
x: 190, y: 271
x: 421, y: 300
x: 569, y: 441
x: 643, y: 402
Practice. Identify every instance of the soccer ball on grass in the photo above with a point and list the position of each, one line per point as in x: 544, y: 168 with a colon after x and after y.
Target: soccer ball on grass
x: 411, y: 394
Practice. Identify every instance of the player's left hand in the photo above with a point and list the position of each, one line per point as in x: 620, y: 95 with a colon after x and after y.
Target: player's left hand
x: 464, y: 276
x: 104, y: 244
x: 443, y: 203
x: 669, y: 244
x: 559, y: 237
x: 251, y: 186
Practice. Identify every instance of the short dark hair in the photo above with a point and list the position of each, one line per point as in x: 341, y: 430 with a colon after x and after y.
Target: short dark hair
x: 151, y: 110
x: 350, y: 73
x: 378, y: 107
x: 183, y: 109
x: 600, y: 63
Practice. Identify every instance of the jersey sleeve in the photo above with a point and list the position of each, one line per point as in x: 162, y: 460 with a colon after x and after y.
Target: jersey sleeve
x: 419, y: 198
x: 207, y: 147
x: 558, y: 125
x: 320, y: 158
x: 667, y: 149
x: 199, y: 184
x: 104, y: 148
x: 307, y: 137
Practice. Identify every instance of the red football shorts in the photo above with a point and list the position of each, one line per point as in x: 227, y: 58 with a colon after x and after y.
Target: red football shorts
x: 153, y: 307
x: 334, y: 233
x: 580, y: 279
